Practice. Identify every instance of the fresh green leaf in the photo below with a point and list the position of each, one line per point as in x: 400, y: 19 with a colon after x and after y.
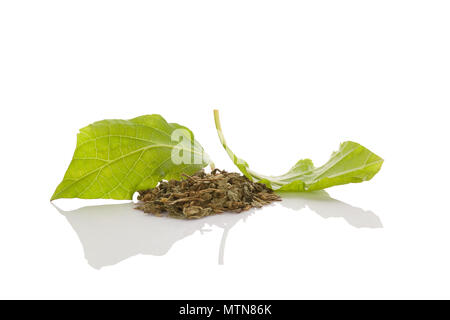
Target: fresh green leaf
x: 115, y: 158
x: 352, y: 163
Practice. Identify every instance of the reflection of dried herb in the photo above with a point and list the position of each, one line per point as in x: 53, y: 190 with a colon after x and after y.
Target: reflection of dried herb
x: 204, y: 194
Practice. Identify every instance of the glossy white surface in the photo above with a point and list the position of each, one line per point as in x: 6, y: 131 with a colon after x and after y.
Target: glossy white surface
x: 292, y: 80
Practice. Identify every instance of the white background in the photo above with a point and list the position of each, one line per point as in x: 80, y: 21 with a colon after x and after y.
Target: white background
x: 292, y: 79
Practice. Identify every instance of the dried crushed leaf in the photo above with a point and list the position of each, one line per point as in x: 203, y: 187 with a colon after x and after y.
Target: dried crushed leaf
x: 204, y: 194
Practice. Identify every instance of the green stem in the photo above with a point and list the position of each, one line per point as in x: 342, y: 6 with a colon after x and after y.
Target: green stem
x: 221, y: 137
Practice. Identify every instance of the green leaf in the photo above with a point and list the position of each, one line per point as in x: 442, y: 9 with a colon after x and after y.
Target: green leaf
x: 115, y: 158
x: 352, y: 163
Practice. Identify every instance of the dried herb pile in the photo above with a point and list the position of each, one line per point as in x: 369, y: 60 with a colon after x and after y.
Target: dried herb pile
x: 204, y: 194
